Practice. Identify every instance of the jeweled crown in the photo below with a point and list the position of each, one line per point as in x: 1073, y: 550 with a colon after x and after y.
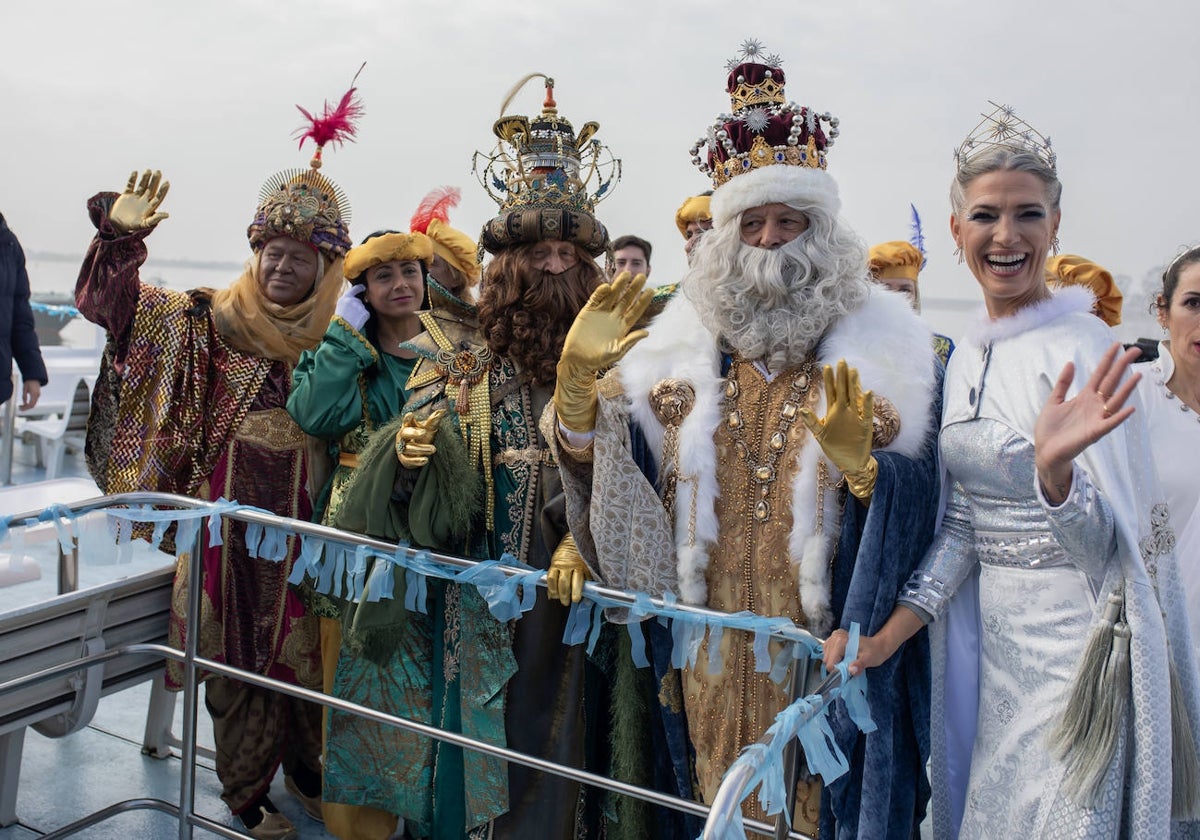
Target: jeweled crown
x: 763, y: 129
x: 546, y: 178
x: 304, y: 204
x: 541, y: 161
x: 1002, y: 128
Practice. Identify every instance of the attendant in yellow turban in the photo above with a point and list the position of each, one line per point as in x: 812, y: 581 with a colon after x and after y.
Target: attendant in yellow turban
x: 897, y: 265
x: 693, y: 218
x: 1073, y: 270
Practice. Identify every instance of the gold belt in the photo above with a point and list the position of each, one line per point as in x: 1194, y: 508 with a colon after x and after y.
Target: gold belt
x: 348, y: 459
x: 272, y: 429
x: 530, y: 455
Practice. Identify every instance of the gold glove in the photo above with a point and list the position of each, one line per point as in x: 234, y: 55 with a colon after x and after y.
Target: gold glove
x: 137, y: 207
x: 567, y: 573
x: 414, y: 439
x: 598, y: 339
x: 845, y: 432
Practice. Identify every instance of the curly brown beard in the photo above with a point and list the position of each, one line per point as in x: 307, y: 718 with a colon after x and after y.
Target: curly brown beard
x: 525, y: 314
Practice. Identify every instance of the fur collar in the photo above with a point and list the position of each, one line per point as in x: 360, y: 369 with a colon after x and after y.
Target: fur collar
x: 885, y: 340
x: 984, y: 329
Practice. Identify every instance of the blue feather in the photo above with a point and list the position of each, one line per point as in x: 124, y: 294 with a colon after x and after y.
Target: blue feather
x: 918, y: 236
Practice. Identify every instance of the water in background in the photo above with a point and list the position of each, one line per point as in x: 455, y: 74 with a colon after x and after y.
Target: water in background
x: 52, y: 283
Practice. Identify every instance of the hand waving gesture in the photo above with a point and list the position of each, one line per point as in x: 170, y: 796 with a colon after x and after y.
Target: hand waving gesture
x: 600, y: 336
x: 1067, y: 427
x: 137, y: 207
x: 845, y: 433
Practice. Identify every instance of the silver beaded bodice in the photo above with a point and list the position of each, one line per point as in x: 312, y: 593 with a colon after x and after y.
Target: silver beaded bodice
x: 995, y: 516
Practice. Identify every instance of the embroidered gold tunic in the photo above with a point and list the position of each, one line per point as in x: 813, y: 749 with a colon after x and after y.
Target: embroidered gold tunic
x: 758, y: 449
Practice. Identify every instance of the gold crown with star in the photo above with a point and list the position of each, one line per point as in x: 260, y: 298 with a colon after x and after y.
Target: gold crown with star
x: 1003, y: 129
x: 763, y: 129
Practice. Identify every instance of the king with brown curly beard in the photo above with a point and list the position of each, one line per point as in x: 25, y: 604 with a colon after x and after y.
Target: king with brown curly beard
x: 468, y: 472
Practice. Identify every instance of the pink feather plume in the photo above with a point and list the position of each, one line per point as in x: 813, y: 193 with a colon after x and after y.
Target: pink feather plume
x: 335, y: 124
x: 435, y: 205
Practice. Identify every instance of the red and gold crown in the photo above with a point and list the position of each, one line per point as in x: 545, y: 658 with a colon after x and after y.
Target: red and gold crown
x: 764, y: 129
x: 546, y: 178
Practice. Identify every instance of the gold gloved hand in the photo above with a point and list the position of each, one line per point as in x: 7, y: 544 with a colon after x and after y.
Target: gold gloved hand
x: 846, y: 431
x: 137, y: 207
x: 567, y: 573
x: 598, y: 339
x: 414, y: 439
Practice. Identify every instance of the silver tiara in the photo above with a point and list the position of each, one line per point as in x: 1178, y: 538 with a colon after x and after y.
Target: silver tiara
x: 1003, y: 129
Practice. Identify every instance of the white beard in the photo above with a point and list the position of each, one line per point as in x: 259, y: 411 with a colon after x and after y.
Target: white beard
x: 770, y: 305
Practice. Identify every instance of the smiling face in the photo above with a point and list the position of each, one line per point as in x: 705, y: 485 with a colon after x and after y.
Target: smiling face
x: 772, y: 225
x: 1004, y: 230
x: 287, y: 271
x: 395, y: 289
x: 1180, y: 317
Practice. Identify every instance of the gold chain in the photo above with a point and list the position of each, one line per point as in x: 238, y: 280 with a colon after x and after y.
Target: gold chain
x: 765, y: 472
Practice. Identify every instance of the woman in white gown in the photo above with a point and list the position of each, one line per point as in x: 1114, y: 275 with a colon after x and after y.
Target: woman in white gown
x: 1170, y: 391
x: 1050, y: 515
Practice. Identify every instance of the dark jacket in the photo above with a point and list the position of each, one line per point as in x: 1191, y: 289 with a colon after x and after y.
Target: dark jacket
x: 18, y: 341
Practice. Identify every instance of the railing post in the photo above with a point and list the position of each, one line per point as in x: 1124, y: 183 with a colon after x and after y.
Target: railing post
x: 191, y: 686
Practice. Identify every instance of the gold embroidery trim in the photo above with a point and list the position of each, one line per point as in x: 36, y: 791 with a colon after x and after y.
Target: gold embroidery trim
x: 475, y: 421
x: 885, y: 423
x: 530, y: 455
x: 271, y: 429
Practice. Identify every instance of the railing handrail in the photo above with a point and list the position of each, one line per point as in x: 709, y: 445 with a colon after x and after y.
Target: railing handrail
x: 301, y: 527
x: 731, y: 791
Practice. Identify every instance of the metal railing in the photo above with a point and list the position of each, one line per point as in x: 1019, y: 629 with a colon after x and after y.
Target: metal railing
x: 732, y: 790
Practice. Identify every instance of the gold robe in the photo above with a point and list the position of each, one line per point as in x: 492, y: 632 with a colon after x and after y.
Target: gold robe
x: 750, y: 570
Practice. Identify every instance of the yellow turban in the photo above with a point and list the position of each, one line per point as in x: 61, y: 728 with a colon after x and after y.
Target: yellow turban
x: 390, y: 246
x: 1074, y: 270
x: 456, y: 248
x: 695, y: 209
x: 896, y: 260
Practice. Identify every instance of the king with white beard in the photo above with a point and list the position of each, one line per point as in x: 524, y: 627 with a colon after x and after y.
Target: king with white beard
x: 768, y: 445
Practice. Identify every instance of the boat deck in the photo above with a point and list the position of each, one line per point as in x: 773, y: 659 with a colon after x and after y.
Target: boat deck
x: 64, y: 779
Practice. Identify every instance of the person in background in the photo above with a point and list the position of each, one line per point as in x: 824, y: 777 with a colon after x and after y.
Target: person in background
x: 342, y: 391
x: 632, y: 254
x: 897, y: 265
x: 18, y: 340
x: 1063, y: 270
x: 1170, y: 391
x: 455, y: 270
x: 692, y: 218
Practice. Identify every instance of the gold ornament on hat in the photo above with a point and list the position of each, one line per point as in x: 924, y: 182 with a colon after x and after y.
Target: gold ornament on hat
x: 546, y: 178
x: 304, y: 204
x: 1003, y: 129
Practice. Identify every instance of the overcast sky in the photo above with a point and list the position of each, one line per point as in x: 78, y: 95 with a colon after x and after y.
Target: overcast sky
x: 206, y: 92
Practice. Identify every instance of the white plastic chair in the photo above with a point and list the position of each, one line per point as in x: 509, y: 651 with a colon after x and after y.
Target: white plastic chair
x: 67, y: 427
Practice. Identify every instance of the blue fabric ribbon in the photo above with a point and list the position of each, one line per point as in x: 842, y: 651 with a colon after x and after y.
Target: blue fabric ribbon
x: 579, y: 622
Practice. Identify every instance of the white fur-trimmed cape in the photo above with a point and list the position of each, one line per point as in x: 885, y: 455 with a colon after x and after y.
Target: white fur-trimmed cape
x: 885, y: 340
